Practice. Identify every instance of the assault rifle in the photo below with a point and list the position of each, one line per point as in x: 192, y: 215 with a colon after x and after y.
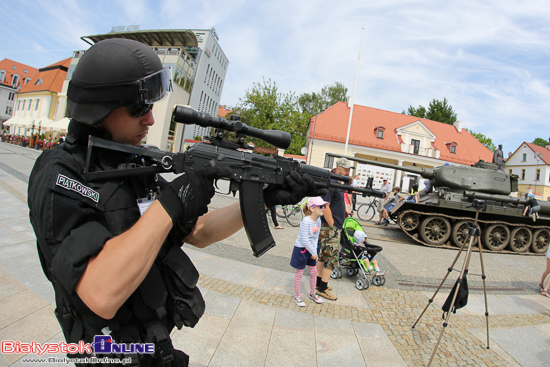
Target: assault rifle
x: 250, y: 171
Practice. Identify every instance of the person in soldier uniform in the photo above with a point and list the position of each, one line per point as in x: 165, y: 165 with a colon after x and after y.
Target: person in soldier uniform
x: 112, y: 248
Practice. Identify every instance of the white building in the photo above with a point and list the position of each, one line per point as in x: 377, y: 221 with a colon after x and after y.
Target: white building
x: 13, y: 75
x: 532, y: 164
x: 199, y: 66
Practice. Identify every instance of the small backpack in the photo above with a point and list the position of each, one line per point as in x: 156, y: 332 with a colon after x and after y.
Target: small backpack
x: 461, y: 298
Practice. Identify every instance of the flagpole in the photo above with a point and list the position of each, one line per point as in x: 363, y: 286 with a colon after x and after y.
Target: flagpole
x: 353, y: 95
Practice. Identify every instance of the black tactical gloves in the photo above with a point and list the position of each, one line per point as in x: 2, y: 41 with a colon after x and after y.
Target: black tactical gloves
x: 292, y: 191
x: 187, y: 197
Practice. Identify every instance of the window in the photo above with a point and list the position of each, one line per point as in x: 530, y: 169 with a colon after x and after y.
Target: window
x: 11, y: 96
x: 15, y: 80
x: 524, y: 157
x: 18, y: 105
x: 38, y: 81
x: 452, y: 147
x: 30, y: 103
x: 2, y: 76
x: 523, y: 174
x: 36, y: 104
x: 23, y: 105
x: 27, y: 80
x: 14, y: 67
x: 379, y: 132
x: 415, y: 146
x: 537, y: 175
x: 329, y: 161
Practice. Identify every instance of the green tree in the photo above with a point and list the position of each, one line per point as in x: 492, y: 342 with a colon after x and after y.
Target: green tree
x: 264, y: 107
x: 329, y: 95
x: 440, y: 111
x: 418, y: 112
x: 541, y: 142
x: 488, y: 142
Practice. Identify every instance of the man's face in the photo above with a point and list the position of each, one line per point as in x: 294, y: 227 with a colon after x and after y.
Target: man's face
x: 342, y: 171
x: 127, y: 129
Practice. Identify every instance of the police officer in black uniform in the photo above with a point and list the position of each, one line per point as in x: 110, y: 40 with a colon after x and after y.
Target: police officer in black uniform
x: 112, y: 248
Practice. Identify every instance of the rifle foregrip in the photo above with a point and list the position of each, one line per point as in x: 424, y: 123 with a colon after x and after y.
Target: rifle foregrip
x: 254, y: 217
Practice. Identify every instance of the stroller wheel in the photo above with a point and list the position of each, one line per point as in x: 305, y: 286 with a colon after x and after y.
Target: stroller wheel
x: 336, y: 273
x: 362, y: 283
x: 378, y: 280
x: 352, y: 272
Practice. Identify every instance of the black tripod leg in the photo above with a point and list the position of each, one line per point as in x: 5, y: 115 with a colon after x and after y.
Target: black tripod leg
x: 430, y: 301
x: 459, y: 281
x: 484, y: 292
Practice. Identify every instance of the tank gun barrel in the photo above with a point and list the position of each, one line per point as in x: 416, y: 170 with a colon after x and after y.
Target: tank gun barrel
x: 424, y: 172
x: 471, y: 195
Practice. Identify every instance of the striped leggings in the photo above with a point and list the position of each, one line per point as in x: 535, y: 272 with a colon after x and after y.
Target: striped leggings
x: 312, y: 279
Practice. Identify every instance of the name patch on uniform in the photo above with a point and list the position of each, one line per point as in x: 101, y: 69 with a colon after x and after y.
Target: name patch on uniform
x: 73, y: 185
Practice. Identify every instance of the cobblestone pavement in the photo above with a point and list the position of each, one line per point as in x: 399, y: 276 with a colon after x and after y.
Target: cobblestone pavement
x: 251, y: 320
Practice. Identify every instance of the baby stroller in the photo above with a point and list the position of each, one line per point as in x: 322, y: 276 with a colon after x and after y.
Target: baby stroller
x: 354, y: 259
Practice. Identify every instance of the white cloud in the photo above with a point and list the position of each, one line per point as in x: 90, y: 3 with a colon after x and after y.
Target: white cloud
x: 489, y: 59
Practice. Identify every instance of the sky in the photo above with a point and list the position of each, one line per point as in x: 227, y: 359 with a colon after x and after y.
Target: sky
x: 490, y: 59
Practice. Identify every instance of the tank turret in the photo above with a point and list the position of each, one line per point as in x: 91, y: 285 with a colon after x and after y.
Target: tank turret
x: 443, y: 217
x: 481, y: 177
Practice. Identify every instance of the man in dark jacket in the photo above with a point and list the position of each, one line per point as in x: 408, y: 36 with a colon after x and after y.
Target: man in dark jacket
x: 111, y: 248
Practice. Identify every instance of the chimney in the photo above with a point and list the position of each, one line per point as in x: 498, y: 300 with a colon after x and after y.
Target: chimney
x: 458, y: 125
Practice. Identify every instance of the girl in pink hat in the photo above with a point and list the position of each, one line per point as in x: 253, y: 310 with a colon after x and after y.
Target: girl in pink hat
x: 305, y: 249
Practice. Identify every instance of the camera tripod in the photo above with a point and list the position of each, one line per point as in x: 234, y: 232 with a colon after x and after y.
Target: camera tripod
x: 473, y: 234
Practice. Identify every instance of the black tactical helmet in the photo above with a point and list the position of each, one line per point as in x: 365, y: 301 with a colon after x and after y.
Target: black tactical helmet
x: 114, y: 73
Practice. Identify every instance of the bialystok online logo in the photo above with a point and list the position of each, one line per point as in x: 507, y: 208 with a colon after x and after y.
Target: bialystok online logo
x: 102, y: 344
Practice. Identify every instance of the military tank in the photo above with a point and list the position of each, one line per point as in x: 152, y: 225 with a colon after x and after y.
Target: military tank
x: 442, y: 218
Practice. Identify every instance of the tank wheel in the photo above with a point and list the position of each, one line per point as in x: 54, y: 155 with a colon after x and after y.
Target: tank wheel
x: 378, y: 280
x: 435, y: 231
x: 460, y: 233
x: 336, y: 273
x: 496, y: 237
x: 362, y: 283
x: 541, y: 239
x: 520, y: 239
x: 409, y: 221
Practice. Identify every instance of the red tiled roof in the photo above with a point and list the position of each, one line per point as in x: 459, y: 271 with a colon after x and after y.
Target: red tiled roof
x: 222, y: 111
x: 52, y: 77
x: 332, y: 125
x: 7, y: 65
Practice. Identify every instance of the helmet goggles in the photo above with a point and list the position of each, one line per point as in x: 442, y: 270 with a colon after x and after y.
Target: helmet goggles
x: 146, y: 90
x: 155, y: 87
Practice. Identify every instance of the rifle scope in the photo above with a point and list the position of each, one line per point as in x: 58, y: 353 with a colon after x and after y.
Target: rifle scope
x: 187, y: 115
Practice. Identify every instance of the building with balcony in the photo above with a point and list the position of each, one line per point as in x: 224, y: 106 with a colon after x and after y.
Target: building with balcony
x: 199, y: 66
x: 13, y: 75
x: 392, y: 138
x: 531, y: 163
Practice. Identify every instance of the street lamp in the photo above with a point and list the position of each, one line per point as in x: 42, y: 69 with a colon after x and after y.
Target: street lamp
x: 323, y: 107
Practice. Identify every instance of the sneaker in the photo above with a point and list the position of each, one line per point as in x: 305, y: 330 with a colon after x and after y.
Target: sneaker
x: 380, y: 273
x: 326, y: 294
x: 298, y: 300
x: 315, y: 298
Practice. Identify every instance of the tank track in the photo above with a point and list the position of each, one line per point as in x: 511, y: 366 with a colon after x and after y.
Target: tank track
x: 416, y: 236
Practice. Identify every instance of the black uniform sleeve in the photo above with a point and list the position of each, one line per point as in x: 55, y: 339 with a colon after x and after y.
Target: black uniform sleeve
x: 73, y: 254
x: 64, y: 212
